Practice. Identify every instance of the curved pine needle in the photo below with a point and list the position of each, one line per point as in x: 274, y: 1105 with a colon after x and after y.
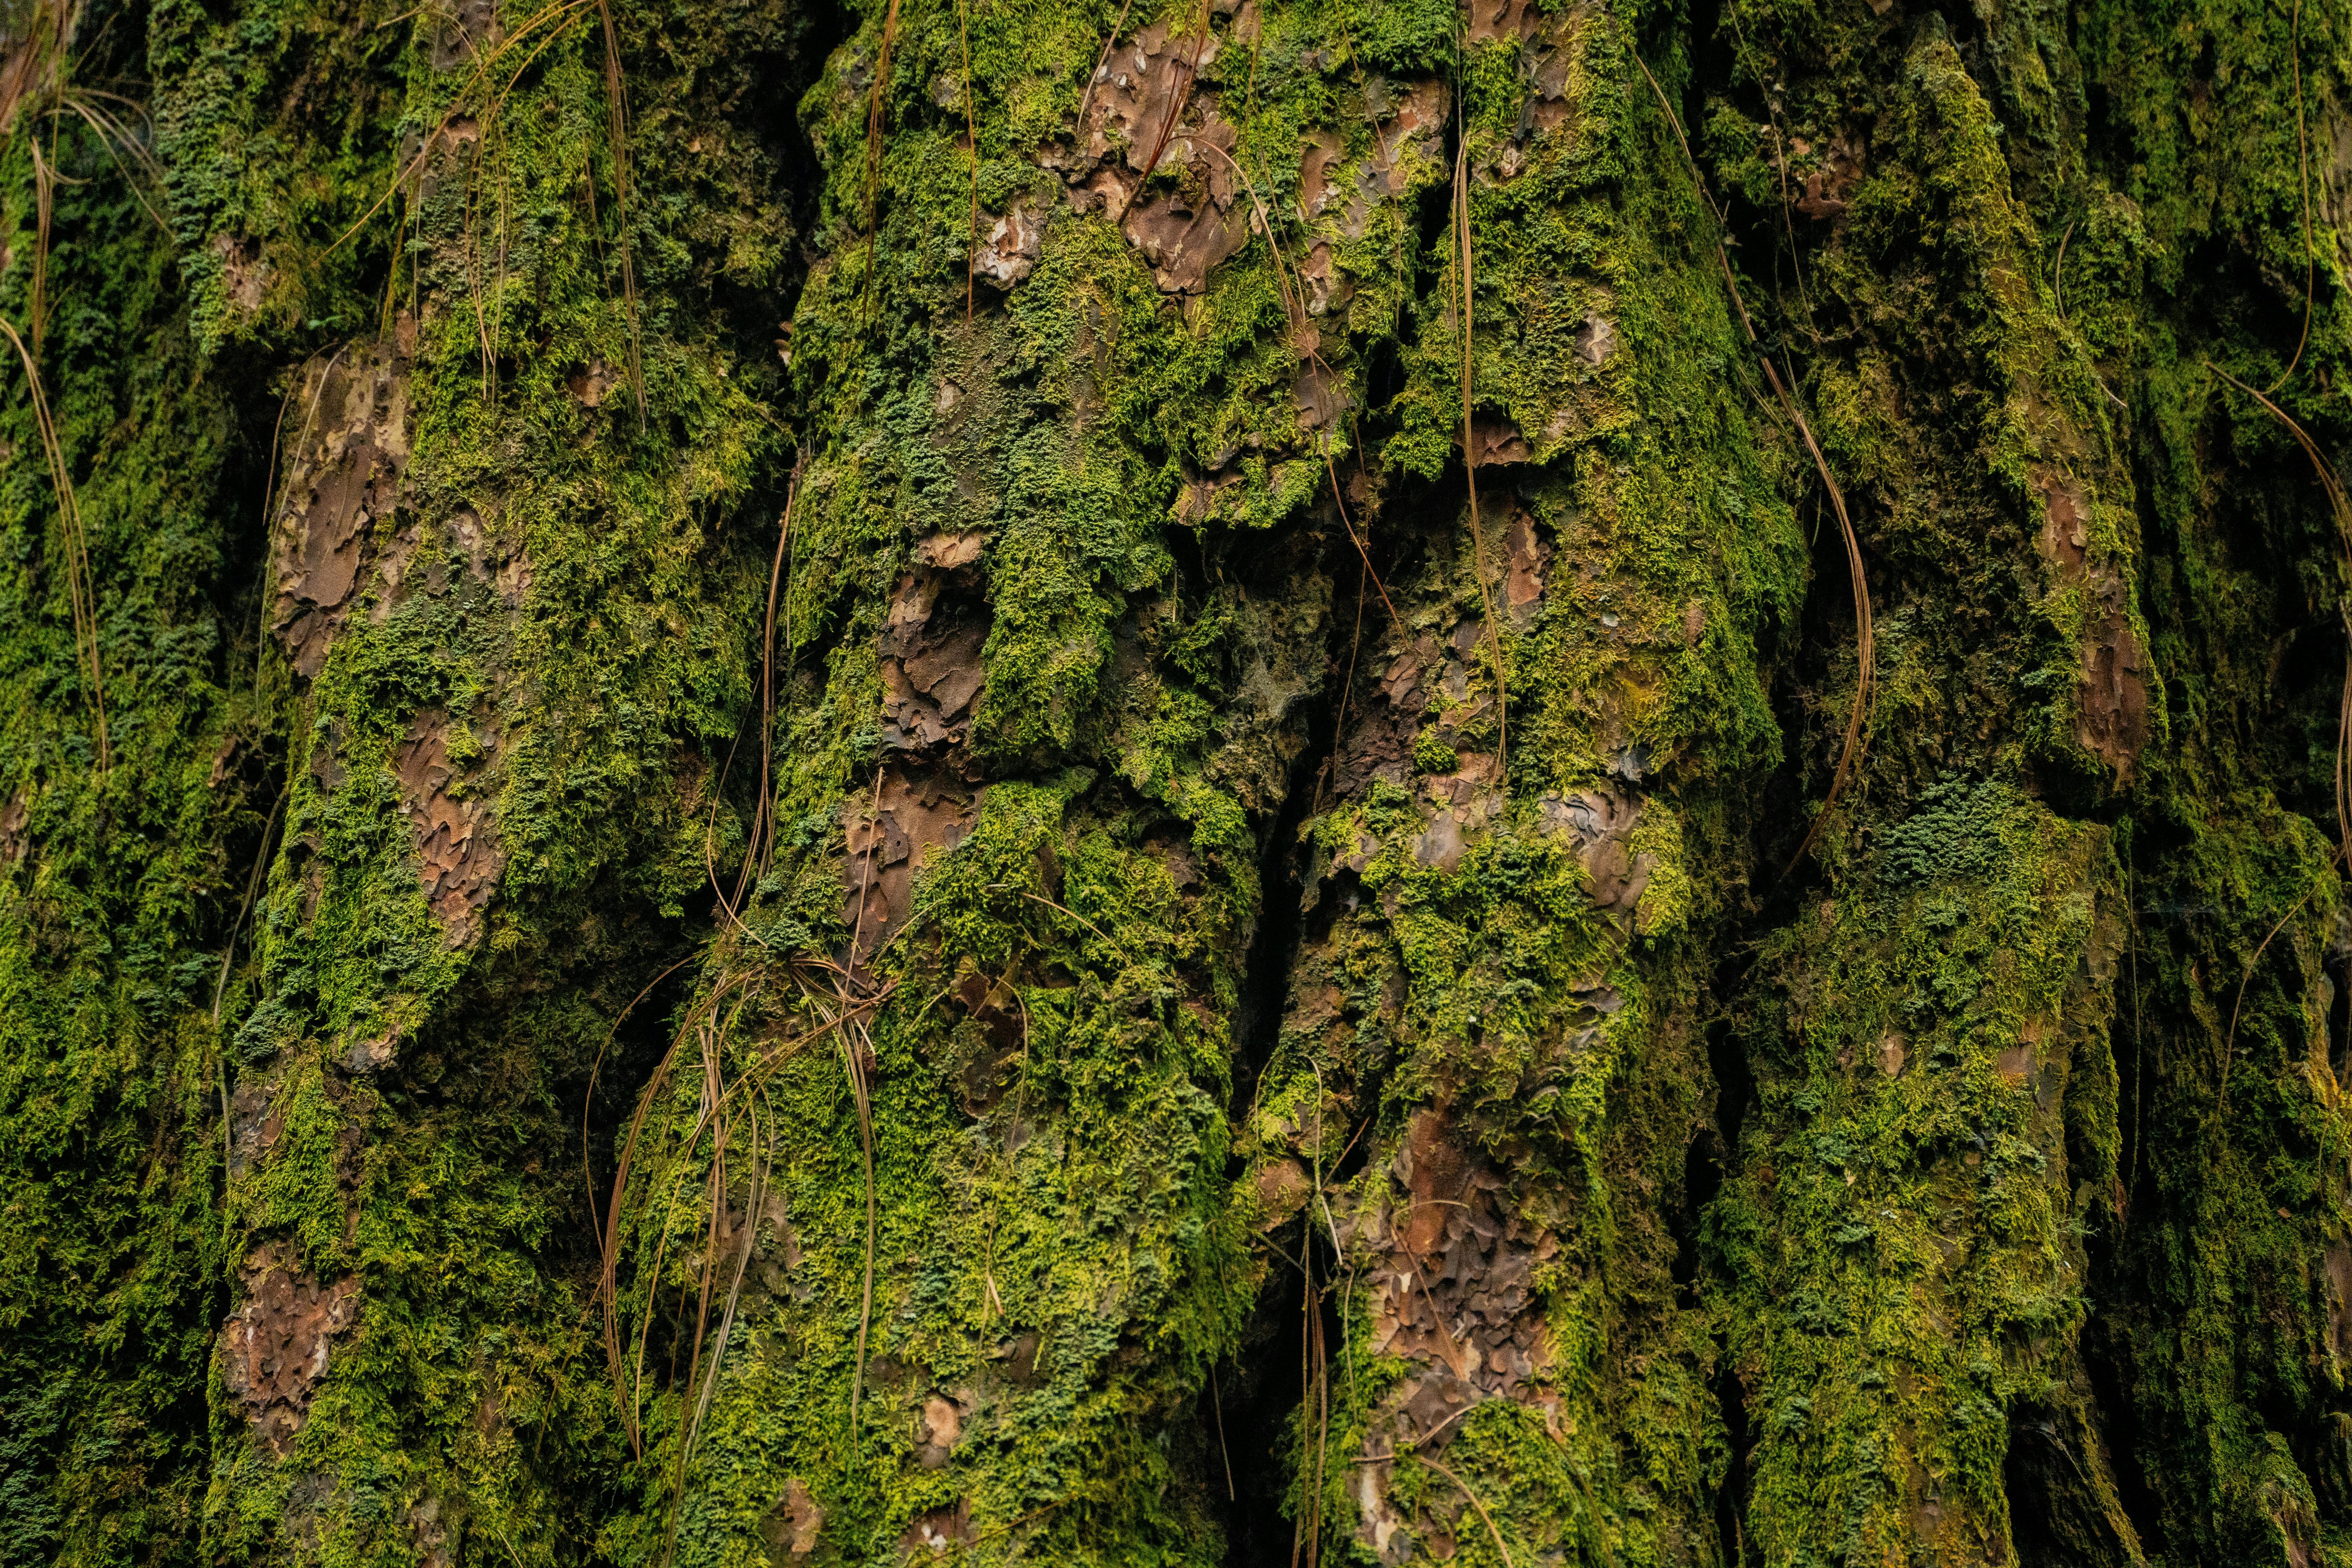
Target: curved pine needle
x: 971, y: 134
x: 79, y: 589
x: 2340, y: 508
x: 2303, y: 183
x: 113, y: 135
x: 1469, y: 453
x: 2230, y: 1041
x: 616, y: 96
x: 481, y: 73
x: 1086, y: 98
x: 44, y: 198
x: 1440, y: 1467
x: 1295, y: 314
x: 876, y: 107
x: 1865, y: 634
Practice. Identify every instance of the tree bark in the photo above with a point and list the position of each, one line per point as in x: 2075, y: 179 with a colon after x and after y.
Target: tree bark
x: 1246, y: 783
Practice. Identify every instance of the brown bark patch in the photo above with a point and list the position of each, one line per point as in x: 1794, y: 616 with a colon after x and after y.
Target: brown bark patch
x: 1010, y: 245
x: 1182, y: 235
x: 2066, y: 522
x: 1503, y: 19
x: 2337, y: 1262
x: 1327, y: 287
x: 1828, y: 189
x: 254, y: 1125
x: 1526, y: 560
x: 29, y: 67
x: 938, y: 1425
x: 457, y: 850
x: 1144, y: 114
x: 984, y: 1055
x: 793, y: 1527
x: 2113, y: 723
x: 1283, y: 1187
x: 932, y: 671
x: 1450, y: 1277
x: 592, y: 384
x: 951, y: 551
x: 1382, y: 722
x: 274, y: 1346
x: 244, y: 276
x: 914, y: 815
x: 1409, y: 121
x: 1600, y: 824
x: 1498, y: 442
x: 2111, y: 719
x: 1317, y: 189
x: 343, y: 477
x: 1596, y: 340
x: 936, y: 1531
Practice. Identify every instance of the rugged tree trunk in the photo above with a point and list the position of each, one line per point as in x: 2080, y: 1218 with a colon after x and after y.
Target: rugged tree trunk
x: 1231, y: 783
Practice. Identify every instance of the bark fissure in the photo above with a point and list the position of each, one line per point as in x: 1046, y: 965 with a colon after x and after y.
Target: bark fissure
x: 1244, y: 1012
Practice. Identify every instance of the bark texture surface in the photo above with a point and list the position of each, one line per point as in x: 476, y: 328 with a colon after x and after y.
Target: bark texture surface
x: 1230, y: 782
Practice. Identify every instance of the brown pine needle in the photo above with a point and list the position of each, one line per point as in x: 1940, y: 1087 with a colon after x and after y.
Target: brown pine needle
x: 567, y: 10
x: 1188, y: 70
x: 1865, y: 636
x: 1086, y: 97
x: 616, y: 98
x: 116, y: 138
x: 79, y: 589
x: 1440, y: 1467
x: 876, y: 108
x: 2340, y: 508
x: 971, y: 134
x: 1294, y: 314
x: 2302, y: 167
x: 44, y: 198
x: 1470, y: 455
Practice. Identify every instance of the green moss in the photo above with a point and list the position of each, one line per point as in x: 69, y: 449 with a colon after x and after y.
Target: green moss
x: 1906, y: 1240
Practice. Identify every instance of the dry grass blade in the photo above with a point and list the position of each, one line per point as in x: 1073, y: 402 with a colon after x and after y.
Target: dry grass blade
x: 875, y: 106
x: 855, y: 1046
x: 2337, y: 504
x: 1295, y: 315
x: 2303, y: 168
x: 470, y: 244
x: 78, y: 588
x: 754, y: 1206
x: 595, y: 1069
x: 117, y: 139
x: 252, y: 890
x: 1472, y: 1496
x: 608, y: 1282
x: 1110, y: 39
x: 971, y: 135
x: 1866, y: 636
x: 617, y: 101
x: 2230, y: 1040
x: 763, y: 824
x: 1189, y: 71
x: 715, y: 1202
x: 44, y: 200
x: 1467, y: 281
x: 759, y: 842
x: 1866, y: 633
x: 2058, y: 270
x: 563, y: 10
x: 2340, y: 510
